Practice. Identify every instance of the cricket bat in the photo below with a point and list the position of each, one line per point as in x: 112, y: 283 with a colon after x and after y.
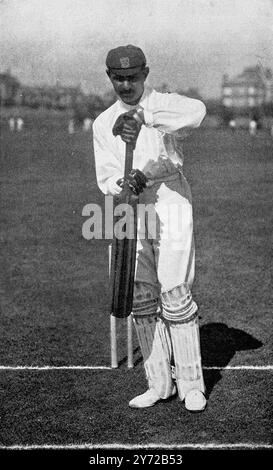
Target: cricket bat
x: 123, y: 252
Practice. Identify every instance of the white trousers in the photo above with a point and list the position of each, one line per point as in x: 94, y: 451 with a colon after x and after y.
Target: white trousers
x: 165, y: 250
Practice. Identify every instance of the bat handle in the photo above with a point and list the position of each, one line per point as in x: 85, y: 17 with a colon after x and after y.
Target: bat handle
x: 129, y: 153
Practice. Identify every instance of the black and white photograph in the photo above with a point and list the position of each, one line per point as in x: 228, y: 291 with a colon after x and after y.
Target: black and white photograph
x: 136, y: 162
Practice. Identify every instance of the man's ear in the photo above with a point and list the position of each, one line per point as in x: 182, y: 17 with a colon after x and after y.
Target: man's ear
x: 146, y: 71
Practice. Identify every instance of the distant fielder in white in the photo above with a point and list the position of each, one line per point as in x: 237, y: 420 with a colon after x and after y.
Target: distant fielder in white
x: 16, y: 124
x: 232, y: 124
x: 252, y: 127
x: 12, y: 124
x: 20, y: 124
x: 71, y: 126
x: 164, y: 312
x: 87, y: 123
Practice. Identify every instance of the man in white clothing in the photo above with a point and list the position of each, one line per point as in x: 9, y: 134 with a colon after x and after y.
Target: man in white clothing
x: 164, y: 312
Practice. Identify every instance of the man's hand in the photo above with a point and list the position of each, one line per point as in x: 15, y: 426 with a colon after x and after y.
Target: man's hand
x: 136, y: 181
x: 128, y: 126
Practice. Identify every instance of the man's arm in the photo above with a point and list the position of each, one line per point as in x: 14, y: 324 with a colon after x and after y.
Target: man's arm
x: 170, y: 113
x: 109, y: 168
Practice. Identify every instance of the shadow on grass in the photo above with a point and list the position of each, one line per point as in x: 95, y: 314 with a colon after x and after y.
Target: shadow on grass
x: 219, y: 343
x: 136, y: 361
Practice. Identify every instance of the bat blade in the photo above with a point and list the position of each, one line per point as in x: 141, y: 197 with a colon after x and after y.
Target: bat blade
x: 123, y: 258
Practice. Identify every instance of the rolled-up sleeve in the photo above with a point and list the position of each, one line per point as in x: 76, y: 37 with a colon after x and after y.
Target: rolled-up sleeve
x: 171, y: 112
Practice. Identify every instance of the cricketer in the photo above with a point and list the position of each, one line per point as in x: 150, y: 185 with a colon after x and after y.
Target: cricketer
x: 164, y: 312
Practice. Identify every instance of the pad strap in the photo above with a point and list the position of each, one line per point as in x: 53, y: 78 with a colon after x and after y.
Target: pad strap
x: 145, y: 299
x: 178, y: 304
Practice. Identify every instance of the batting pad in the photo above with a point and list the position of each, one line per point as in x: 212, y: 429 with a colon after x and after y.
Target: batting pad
x: 178, y: 304
x: 187, y: 356
x: 155, y: 344
x: 145, y: 299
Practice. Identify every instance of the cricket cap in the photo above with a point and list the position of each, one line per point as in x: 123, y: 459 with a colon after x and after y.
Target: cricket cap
x: 124, y: 59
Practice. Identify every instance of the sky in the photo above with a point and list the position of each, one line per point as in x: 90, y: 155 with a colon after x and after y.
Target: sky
x: 187, y: 43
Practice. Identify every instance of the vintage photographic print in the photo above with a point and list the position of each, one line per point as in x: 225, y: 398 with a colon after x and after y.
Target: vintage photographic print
x: 136, y: 154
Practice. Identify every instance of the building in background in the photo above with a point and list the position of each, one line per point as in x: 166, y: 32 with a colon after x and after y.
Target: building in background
x: 250, y: 90
x: 82, y: 108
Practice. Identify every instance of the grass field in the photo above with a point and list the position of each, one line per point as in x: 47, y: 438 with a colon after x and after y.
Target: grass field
x: 55, y: 295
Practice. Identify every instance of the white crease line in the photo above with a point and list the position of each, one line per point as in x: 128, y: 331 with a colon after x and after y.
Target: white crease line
x: 239, y: 367
x: 239, y: 445
x: 243, y: 367
x: 55, y: 368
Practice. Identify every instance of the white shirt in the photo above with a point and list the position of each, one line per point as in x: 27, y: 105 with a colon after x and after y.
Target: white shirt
x: 167, y: 117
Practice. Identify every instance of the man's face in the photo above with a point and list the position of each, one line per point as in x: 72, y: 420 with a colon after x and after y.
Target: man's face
x: 130, y: 87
